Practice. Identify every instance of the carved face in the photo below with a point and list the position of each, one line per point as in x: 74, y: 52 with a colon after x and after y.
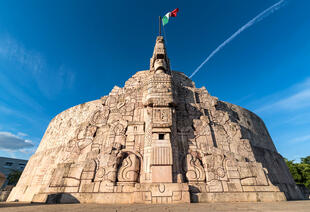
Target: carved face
x: 160, y: 65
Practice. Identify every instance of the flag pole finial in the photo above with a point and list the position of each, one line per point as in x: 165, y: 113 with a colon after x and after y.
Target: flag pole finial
x: 159, y: 26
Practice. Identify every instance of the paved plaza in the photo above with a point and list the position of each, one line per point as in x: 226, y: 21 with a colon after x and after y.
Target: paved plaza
x: 296, y: 206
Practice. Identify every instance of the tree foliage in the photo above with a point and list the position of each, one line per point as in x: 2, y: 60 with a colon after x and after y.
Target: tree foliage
x: 13, y: 177
x: 300, y: 171
x: 305, y: 160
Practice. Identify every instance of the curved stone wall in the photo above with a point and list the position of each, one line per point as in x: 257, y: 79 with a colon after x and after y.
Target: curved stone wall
x: 114, y: 150
x: 254, y: 129
x: 51, y: 151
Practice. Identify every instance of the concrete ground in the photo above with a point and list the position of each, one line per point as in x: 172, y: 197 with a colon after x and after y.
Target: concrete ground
x: 294, y: 206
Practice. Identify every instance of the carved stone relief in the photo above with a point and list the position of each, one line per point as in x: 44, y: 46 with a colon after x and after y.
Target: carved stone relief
x: 129, y: 169
x: 194, y: 169
x: 153, y: 139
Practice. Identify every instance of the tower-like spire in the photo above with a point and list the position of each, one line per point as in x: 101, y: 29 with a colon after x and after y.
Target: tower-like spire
x: 160, y: 61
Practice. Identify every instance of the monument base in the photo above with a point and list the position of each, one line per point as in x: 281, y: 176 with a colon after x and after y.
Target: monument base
x: 268, y: 196
x: 157, y: 193
x: 152, y: 193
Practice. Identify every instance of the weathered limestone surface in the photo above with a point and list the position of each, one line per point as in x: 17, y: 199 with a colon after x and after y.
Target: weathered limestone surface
x: 159, y: 139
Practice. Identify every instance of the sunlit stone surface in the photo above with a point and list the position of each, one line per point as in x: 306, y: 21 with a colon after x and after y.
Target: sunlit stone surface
x: 159, y: 139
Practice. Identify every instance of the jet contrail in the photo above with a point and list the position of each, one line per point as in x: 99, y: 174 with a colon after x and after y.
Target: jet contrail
x: 258, y: 18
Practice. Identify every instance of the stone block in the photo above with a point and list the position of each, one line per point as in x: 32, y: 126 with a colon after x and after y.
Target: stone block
x: 266, y: 188
x: 87, y: 175
x: 245, y: 172
x: 128, y: 188
x: 241, y: 197
x: 39, y: 198
x: 118, y: 188
x: 56, y: 189
x: 270, y: 196
x: 147, y: 196
x: 234, y: 185
x: 161, y: 200
x: 71, y: 182
x: 161, y: 193
x: 215, y: 186
x: 258, y: 171
x: 103, y: 198
x: 233, y: 174
x: 57, y: 178
x: 248, y: 181
x: 75, y: 171
x: 71, y: 189
x: 162, y: 189
x: 177, y: 195
x: 248, y: 188
x: 161, y: 174
x: 106, y: 187
x: 225, y: 186
x: 86, y: 186
x: 96, y: 186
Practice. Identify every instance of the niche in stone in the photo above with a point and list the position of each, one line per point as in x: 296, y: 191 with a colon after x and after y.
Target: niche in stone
x: 161, y: 136
x: 129, y: 169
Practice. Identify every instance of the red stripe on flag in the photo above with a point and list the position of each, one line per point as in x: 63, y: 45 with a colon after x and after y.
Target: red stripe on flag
x: 174, y: 12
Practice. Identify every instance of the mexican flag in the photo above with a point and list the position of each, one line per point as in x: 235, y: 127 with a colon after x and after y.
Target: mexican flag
x: 173, y: 13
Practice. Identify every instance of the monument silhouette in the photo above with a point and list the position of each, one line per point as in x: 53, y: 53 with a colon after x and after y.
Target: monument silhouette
x: 159, y: 139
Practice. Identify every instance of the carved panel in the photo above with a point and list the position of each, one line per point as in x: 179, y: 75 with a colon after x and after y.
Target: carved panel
x: 129, y: 169
x: 89, y: 170
x: 161, y: 156
x: 100, y: 117
x: 162, y: 117
x: 195, y: 171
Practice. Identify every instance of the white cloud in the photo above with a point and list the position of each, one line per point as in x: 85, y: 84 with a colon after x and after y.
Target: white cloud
x: 30, y: 151
x: 292, y: 99
x: 51, y: 80
x: 28, y: 117
x: 28, y: 141
x: 21, y: 134
x: 296, y: 101
x: 12, y: 89
x: 301, y: 139
x: 6, y: 110
x: 11, y: 142
x: 16, y: 52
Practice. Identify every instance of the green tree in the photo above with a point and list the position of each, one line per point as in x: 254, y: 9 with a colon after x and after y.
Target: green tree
x: 300, y: 171
x: 305, y: 160
x: 13, y: 177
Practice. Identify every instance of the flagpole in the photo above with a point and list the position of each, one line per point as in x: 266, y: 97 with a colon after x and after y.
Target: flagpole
x: 159, y: 26
x: 165, y: 36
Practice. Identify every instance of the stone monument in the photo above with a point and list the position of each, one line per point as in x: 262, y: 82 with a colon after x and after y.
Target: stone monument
x: 159, y: 139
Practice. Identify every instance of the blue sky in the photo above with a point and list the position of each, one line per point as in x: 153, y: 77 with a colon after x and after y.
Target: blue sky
x: 57, y: 54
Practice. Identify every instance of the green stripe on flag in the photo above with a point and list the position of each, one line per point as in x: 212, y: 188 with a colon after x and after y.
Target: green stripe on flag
x: 165, y: 19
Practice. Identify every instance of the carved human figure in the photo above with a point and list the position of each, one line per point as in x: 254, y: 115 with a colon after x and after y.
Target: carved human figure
x: 100, y: 139
x: 113, y: 162
x: 100, y: 117
x: 214, y: 167
x: 75, y: 147
x: 108, y: 171
x: 201, y: 126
